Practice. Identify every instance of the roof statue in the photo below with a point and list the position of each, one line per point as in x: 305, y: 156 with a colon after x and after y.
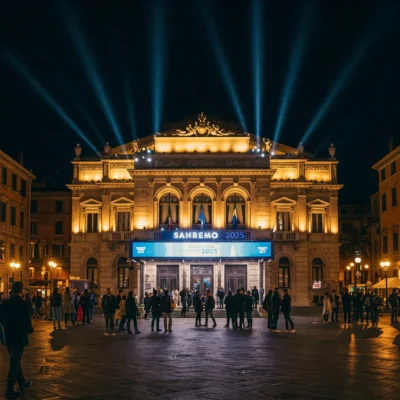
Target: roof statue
x: 202, y: 127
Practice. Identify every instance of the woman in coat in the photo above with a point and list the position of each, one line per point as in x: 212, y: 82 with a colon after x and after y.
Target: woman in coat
x: 131, y: 310
x: 327, y: 311
x: 68, y: 307
x: 198, y: 308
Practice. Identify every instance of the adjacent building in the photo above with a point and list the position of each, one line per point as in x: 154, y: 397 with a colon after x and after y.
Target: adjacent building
x: 15, y: 193
x: 204, y: 205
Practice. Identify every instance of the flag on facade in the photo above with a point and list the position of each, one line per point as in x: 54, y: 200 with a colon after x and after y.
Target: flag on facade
x: 202, y: 218
x: 234, y: 217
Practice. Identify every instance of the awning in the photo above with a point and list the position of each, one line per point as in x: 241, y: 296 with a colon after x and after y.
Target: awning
x: 392, y: 283
x: 39, y: 283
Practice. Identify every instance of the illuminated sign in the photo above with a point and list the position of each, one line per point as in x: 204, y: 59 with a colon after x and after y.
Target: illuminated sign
x: 317, y: 285
x: 175, y: 235
x: 140, y: 250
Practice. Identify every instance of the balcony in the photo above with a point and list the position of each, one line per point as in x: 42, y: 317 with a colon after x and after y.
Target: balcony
x: 283, y: 236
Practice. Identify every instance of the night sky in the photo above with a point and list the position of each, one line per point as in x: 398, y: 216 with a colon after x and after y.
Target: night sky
x: 168, y: 51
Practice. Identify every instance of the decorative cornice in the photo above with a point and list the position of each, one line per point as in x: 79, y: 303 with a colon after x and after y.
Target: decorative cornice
x: 101, y: 185
x: 393, y: 155
x: 202, y: 172
x: 317, y: 167
x: 90, y: 167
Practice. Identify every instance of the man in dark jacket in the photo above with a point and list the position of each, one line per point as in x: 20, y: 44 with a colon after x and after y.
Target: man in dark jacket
x: 209, y: 306
x: 221, y: 298
x: 267, y: 306
x: 276, y: 303
x: 229, y: 307
x: 394, y: 303
x: 239, y: 308
x: 166, y: 309
x: 255, y: 295
x: 183, y: 295
x: 154, y: 304
x: 109, y: 305
x: 346, y: 302
x: 131, y: 311
x: 86, y: 303
x: 286, y: 309
x: 16, y: 320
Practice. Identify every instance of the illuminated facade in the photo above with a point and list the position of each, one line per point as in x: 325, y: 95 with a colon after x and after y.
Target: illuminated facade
x: 15, y: 194
x: 206, y: 177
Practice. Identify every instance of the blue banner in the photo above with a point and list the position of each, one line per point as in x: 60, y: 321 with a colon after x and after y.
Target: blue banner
x: 142, y: 250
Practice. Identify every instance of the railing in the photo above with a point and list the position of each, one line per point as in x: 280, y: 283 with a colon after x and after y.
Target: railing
x: 285, y: 236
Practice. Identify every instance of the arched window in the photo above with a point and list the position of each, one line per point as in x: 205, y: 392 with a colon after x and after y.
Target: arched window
x: 202, y: 211
x: 123, y: 273
x: 317, y: 270
x: 235, y: 211
x: 91, y: 272
x: 168, y: 211
x: 284, y: 272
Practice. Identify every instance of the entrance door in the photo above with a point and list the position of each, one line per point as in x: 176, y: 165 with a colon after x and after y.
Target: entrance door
x: 202, y: 278
x: 235, y: 277
x: 168, y: 277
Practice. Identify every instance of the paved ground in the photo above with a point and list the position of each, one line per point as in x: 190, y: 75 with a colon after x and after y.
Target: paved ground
x: 317, y: 362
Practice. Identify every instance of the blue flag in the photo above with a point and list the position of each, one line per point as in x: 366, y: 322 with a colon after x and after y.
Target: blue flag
x: 235, y: 220
x: 202, y: 218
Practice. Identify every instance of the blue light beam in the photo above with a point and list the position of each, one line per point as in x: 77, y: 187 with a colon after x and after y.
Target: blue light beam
x: 158, y: 64
x: 93, y: 75
x: 21, y: 69
x: 295, y: 63
x: 130, y: 108
x: 223, y: 64
x: 257, y: 52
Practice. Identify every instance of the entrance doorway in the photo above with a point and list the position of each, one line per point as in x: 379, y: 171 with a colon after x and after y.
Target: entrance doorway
x: 235, y: 277
x: 202, y: 278
x: 168, y: 277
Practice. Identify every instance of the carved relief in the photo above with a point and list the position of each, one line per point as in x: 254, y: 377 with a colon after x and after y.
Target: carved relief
x: 317, y: 168
x: 91, y: 168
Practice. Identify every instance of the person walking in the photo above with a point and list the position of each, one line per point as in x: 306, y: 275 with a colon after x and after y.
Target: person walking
x: 394, y: 303
x: 86, y: 302
x: 249, y: 301
x: 16, y: 320
x: 287, y: 309
x: 276, y: 304
x: 131, y: 311
x: 221, y: 298
x: 209, y: 306
x: 109, y: 305
x: 122, y: 313
x: 256, y: 296
x: 55, y: 304
x: 68, y: 307
x: 166, y: 309
x: 182, y: 295
x: 346, y: 301
x: 261, y: 294
x: 229, y: 307
x: 267, y: 306
x: 335, y: 306
x: 198, y: 308
x: 155, y: 310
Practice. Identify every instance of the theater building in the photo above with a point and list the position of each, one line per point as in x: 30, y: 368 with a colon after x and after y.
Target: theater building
x: 204, y: 205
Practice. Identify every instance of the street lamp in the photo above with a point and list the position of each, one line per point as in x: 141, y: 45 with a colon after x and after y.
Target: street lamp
x: 385, y: 265
x: 14, y: 266
x: 52, y: 266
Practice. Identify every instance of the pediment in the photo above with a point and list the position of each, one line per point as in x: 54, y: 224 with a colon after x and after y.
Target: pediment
x: 318, y: 203
x: 91, y: 202
x: 284, y: 201
x: 122, y: 200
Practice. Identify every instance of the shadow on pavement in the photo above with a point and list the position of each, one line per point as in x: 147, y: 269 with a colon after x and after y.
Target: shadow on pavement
x: 58, y: 340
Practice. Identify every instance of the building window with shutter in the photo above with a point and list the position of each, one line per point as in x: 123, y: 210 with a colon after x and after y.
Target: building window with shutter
x: 92, y: 222
x: 317, y: 223
x: 284, y: 272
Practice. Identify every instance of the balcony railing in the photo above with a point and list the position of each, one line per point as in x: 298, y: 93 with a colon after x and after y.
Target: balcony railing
x: 285, y: 236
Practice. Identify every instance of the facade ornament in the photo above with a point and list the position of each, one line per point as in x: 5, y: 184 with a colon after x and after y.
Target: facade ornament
x: 267, y: 145
x: 332, y: 151
x: 107, y: 149
x: 78, y: 150
x: 300, y: 149
x: 202, y: 127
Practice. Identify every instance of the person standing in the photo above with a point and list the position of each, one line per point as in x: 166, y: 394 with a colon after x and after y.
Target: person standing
x: 16, y: 320
x: 92, y: 304
x: 118, y: 299
x: 131, y: 311
x: 166, y: 308
x: 367, y: 305
x: 217, y: 295
x: 182, y: 294
x: 394, y: 303
x: 327, y: 310
x: 261, y: 294
x: 55, y: 304
x: 249, y: 300
x: 209, y: 306
x: 346, y: 301
x: 276, y: 304
x: 189, y: 299
x: 38, y: 304
x: 122, y: 313
x: 335, y: 306
x: 221, y: 298
x: 109, y: 305
x: 155, y: 310
x: 375, y: 302
x: 255, y: 295
x: 198, y: 308
x: 229, y: 307
x: 287, y: 309
x: 359, y: 307
x: 86, y: 302
x: 146, y: 303
x: 267, y: 306
x: 175, y: 295
x: 68, y: 306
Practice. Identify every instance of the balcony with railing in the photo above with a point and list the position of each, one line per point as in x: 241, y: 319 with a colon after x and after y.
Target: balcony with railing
x: 286, y: 236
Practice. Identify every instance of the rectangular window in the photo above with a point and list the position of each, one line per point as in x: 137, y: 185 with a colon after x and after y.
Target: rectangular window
x: 393, y: 168
x: 31, y: 273
x: 12, y: 251
x: 123, y: 221
x: 385, y: 245
x: 395, y: 241
x: 283, y: 222
x: 13, y: 216
x: 383, y: 174
x: 59, y: 227
x: 34, y: 251
x: 3, y: 211
x: 384, y: 208
x: 34, y: 206
x: 23, y: 187
x: 33, y: 228
x: 317, y: 275
x: 21, y: 253
x: 92, y: 276
x: 59, y: 206
x: 123, y: 278
x: 58, y: 251
x: 22, y: 220
x: 4, y: 174
x: 14, y: 182
x: 2, y: 251
x: 92, y: 221
x: 394, y: 196
x: 316, y: 223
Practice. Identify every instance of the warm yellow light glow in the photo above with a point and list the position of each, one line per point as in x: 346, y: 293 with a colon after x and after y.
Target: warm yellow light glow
x: 317, y: 175
x: 348, y: 267
x: 351, y: 264
x: 366, y: 266
x: 15, y: 265
x: 357, y: 260
x: 52, y: 264
x: 141, y: 224
x: 284, y: 173
x: 119, y: 174
x: 385, y: 264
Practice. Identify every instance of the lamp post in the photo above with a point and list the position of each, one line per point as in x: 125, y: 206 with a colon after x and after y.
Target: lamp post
x: 52, y: 265
x: 14, y: 266
x: 357, y: 273
x: 385, y: 265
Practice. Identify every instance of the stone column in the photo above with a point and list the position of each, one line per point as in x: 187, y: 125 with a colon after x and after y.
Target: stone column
x: 105, y: 200
x: 302, y: 211
x: 334, y: 212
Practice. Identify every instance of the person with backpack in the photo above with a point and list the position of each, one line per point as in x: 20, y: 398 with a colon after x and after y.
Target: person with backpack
x: 210, y: 305
x: 55, y: 304
x: 166, y: 308
x: 267, y: 306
